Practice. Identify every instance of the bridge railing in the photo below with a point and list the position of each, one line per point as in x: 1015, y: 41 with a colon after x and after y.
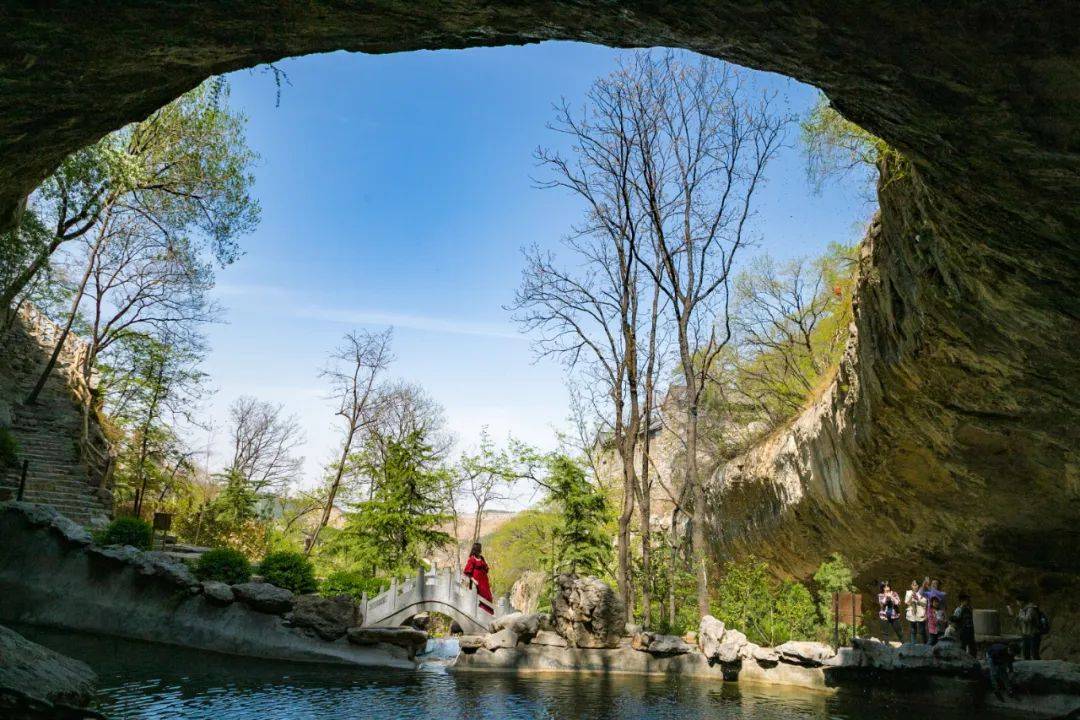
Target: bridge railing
x: 442, y: 586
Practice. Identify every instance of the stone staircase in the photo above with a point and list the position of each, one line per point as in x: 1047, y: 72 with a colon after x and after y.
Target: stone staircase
x: 47, y: 432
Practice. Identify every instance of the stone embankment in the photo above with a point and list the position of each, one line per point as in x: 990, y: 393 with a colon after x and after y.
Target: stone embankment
x: 942, y: 674
x: 52, y: 574
x: 36, y: 682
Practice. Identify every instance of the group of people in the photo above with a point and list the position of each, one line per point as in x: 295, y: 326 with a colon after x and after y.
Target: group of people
x: 925, y: 609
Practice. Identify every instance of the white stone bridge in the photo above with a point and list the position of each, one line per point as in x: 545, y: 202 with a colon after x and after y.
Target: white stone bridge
x: 440, y: 591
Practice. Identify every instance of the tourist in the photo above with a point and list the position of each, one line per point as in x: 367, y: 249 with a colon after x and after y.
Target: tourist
x: 1033, y: 625
x: 916, y: 612
x: 936, y: 620
x: 889, y: 610
x: 964, y: 619
x: 1000, y: 659
x: 934, y: 591
x: 476, y: 569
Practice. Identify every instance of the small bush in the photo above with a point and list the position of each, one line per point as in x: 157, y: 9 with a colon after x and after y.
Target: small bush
x: 223, y: 565
x: 9, y: 449
x: 127, y: 531
x: 289, y: 570
x: 351, y: 583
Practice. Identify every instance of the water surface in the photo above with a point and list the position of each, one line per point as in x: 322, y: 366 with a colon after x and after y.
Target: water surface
x: 144, y: 681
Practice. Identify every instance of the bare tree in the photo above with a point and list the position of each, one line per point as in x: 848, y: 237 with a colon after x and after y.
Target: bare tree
x: 353, y: 374
x: 264, y: 442
x: 489, y: 475
x: 700, y: 153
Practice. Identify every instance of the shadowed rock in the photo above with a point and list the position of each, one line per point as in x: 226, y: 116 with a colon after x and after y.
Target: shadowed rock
x: 42, y: 673
x: 264, y: 597
x: 329, y: 617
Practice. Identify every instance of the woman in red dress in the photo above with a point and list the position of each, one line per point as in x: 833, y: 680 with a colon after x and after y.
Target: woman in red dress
x: 476, y: 569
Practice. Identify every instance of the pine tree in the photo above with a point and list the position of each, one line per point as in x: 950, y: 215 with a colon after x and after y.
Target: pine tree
x: 581, y: 546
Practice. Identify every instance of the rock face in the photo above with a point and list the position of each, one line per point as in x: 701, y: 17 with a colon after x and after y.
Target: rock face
x: 41, y: 673
x: 587, y: 612
x: 943, y: 657
x: 959, y: 386
x: 525, y: 593
x: 264, y: 597
x: 328, y: 617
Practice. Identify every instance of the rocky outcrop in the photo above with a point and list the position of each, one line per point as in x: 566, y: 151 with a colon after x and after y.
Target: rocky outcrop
x: 264, y: 597
x: 409, y: 639
x: 218, y: 592
x: 526, y: 591
x: 806, y: 653
x: 524, y: 625
x: 328, y: 617
x: 587, y: 612
x: 40, y: 673
x: 660, y: 645
x: 50, y: 576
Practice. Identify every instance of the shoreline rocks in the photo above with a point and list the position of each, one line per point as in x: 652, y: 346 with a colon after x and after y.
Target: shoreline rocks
x: 328, y: 617
x: 43, y: 674
x: 587, y: 612
x: 264, y: 597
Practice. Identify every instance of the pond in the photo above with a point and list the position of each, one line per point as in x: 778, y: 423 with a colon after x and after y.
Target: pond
x: 144, y: 681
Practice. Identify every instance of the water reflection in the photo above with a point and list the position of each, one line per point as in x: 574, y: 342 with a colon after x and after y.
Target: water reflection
x: 139, y: 680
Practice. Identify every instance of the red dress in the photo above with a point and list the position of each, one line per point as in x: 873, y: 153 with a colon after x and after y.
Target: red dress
x: 476, y: 569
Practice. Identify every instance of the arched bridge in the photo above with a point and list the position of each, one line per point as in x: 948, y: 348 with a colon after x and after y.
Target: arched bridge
x: 438, y: 591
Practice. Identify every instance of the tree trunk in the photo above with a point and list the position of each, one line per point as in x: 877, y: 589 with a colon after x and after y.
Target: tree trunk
x: 625, y: 581
x: 333, y: 493
x: 698, y: 542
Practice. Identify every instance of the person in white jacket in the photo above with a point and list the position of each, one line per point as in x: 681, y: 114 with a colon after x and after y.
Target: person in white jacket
x: 915, y: 601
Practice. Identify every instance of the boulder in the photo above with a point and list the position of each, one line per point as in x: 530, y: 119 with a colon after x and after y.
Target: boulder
x: 160, y: 565
x: 764, y: 656
x: 48, y: 516
x: 668, y: 646
x: 587, y: 612
x: 731, y: 646
x: 640, y: 641
x: 264, y: 597
x: 526, y: 626
x: 122, y: 554
x: 218, y: 593
x: 41, y: 673
x: 549, y: 638
x: 411, y: 639
x: 505, y: 638
x: 1047, y: 677
x: 943, y: 657
x: 710, y: 635
x: 470, y: 643
x: 805, y: 653
x: 329, y: 617
x: 526, y: 591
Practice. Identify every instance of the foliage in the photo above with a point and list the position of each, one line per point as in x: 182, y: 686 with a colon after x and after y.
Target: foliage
x: 352, y: 583
x: 834, y: 575
x: 9, y: 449
x: 770, y: 612
x: 524, y: 542
x: 289, y: 570
x: 127, y: 531
x: 390, y: 533
x: 836, y: 148
x: 792, y: 321
x: 581, y: 546
x: 223, y: 565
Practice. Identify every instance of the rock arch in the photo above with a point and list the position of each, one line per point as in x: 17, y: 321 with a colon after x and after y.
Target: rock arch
x: 956, y: 410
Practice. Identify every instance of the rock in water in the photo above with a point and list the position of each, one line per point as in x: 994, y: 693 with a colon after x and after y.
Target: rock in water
x: 732, y: 646
x: 41, y: 673
x: 218, y: 593
x: 525, y: 594
x: 411, y: 639
x: 329, y: 617
x: 810, y: 654
x: 264, y: 597
x: 505, y: 638
x: 526, y: 626
x: 587, y: 612
x: 668, y: 646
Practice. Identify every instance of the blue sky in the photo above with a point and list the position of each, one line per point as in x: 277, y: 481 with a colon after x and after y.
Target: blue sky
x: 396, y: 190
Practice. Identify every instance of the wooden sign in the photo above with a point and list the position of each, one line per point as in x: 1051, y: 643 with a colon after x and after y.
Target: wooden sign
x: 847, y: 607
x: 162, y: 521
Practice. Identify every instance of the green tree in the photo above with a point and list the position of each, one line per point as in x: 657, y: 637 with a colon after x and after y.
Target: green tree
x: 837, y: 148
x: 770, y: 612
x: 525, y: 542
x: 834, y: 575
x: 390, y: 533
x: 581, y: 546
